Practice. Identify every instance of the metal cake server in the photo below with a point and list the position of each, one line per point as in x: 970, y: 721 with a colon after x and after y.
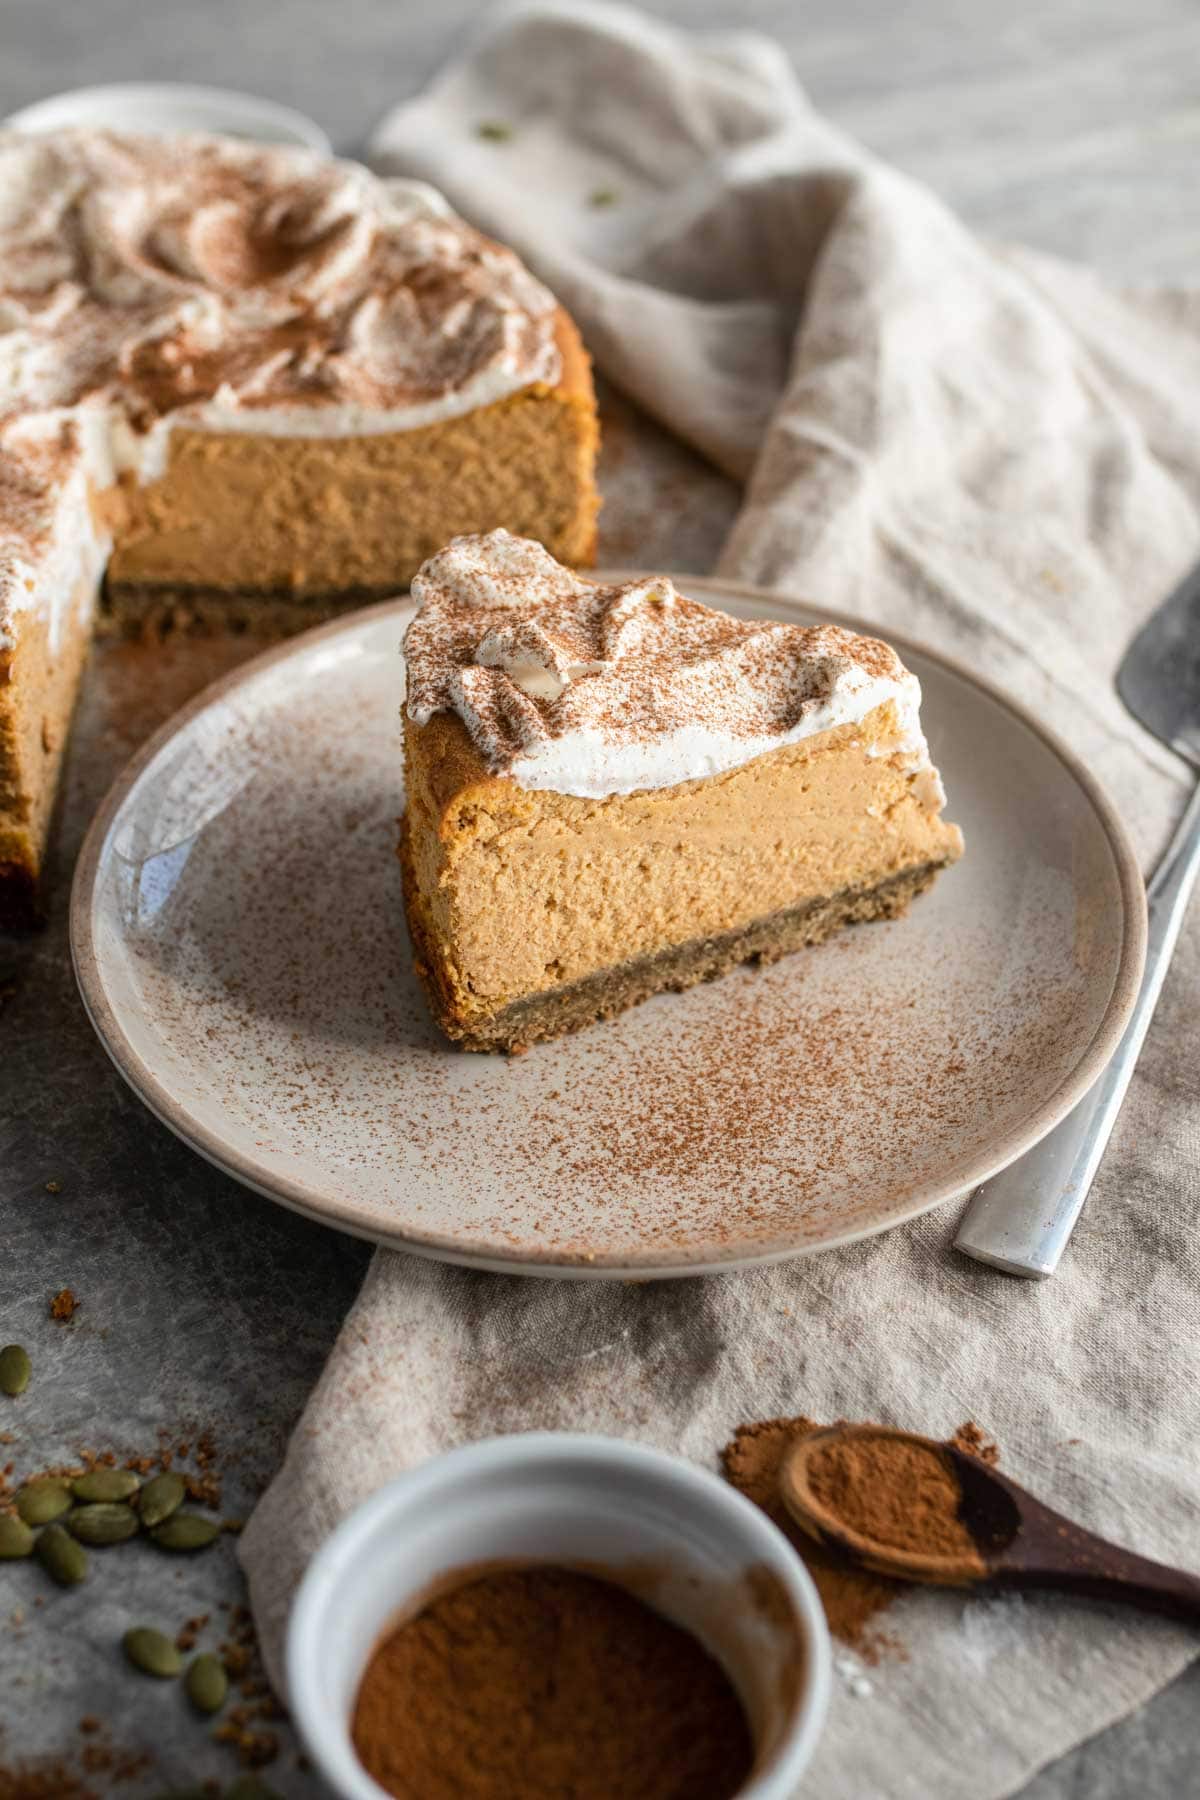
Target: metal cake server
x: 1022, y: 1219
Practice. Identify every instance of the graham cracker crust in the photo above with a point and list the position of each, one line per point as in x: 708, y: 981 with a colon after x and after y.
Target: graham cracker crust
x: 602, y: 996
x: 153, y: 610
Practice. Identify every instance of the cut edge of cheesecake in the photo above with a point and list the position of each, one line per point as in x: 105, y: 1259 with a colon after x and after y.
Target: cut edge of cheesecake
x: 247, y: 531
x: 36, y: 712
x: 41, y: 669
x: 609, y: 992
x: 478, y: 920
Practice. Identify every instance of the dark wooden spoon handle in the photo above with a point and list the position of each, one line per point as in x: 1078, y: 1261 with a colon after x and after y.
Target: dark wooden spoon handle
x: 1115, y: 1574
x: 1050, y: 1551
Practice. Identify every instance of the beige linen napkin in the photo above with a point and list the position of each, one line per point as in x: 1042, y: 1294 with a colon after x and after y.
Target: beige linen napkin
x: 995, y: 452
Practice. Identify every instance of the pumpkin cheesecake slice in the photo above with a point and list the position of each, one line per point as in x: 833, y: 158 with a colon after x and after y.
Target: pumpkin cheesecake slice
x: 616, y: 790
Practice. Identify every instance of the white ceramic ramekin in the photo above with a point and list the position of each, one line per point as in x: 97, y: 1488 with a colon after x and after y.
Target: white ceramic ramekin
x: 162, y: 107
x: 688, y: 1542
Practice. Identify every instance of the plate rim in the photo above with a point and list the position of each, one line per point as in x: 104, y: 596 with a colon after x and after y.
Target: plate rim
x: 656, y: 1265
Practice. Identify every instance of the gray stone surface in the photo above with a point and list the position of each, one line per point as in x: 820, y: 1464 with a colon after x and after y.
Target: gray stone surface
x: 1072, y: 125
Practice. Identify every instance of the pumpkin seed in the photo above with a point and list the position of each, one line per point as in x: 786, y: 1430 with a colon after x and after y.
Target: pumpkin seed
x: 41, y: 1502
x: 15, y: 1370
x: 207, y: 1683
x: 185, y: 1531
x: 152, y: 1652
x: 161, y: 1497
x: 16, y: 1539
x: 61, y: 1556
x: 102, y: 1523
x: 105, y: 1485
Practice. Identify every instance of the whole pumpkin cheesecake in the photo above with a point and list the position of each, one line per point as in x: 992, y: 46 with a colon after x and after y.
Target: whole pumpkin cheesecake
x: 253, y: 385
x: 616, y: 790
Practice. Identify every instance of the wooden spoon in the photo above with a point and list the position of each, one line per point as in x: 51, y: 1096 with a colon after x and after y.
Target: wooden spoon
x: 1018, y: 1542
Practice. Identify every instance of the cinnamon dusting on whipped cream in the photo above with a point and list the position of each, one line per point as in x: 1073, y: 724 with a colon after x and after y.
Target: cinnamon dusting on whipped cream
x: 594, y: 690
x: 149, y: 283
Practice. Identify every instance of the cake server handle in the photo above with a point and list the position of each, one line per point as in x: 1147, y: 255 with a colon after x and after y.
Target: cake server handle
x: 1022, y: 1219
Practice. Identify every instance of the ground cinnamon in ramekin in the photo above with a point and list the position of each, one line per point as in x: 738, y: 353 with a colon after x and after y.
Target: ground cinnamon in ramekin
x: 544, y: 1680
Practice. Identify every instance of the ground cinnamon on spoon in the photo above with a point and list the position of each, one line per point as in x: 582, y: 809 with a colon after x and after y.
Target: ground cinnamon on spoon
x: 897, y: 1493
x: 854, y: 1599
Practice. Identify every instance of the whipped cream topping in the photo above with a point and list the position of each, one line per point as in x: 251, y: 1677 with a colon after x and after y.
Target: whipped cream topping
x: 52, y: 552
x: 234, y: 286
x: 593, y: 690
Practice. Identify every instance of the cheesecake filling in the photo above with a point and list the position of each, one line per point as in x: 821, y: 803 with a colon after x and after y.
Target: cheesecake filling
x: 520, y: 897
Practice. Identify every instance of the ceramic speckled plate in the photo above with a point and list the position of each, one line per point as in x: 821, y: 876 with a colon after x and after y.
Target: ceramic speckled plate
x: 240, y: 946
